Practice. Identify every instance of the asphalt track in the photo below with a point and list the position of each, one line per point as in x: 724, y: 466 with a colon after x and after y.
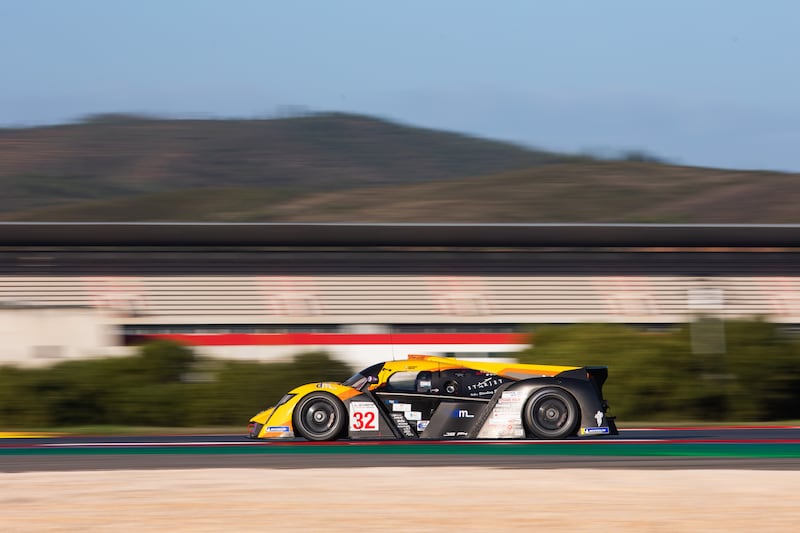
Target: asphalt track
x: 773, y: 448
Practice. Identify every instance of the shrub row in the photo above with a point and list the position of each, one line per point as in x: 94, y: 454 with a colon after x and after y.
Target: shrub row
x: 705, y: 371
x: 165, y: 384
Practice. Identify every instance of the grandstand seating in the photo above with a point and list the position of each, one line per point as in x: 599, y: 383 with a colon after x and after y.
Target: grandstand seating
x: 397, y: 299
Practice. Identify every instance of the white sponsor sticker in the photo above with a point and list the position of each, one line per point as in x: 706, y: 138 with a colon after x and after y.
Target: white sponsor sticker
x: 505, y: 421
x: 401, y: 407
x: 511, y: 396
x: 413, y: 415
x: 422, y: 424
x: 364, y: 416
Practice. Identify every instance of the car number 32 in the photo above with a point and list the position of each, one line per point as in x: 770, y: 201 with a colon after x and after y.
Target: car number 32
x: 363, y: 416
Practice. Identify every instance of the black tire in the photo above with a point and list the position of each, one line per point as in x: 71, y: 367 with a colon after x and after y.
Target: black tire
x: 551, y: 414
x: 319, y: 416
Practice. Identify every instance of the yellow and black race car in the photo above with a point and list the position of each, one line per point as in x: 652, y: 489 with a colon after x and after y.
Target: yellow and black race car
x: 428, y: 397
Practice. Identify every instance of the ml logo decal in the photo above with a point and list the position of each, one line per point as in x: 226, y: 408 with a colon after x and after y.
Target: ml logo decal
x: 463, y: 413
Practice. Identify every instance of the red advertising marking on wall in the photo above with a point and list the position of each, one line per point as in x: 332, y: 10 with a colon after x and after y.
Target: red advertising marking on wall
x: 289, y: 295
x: 783, y: 295
x: 459, y: 295
x: 122, y: 295
x: 627, y: 295
x: 294, y: 339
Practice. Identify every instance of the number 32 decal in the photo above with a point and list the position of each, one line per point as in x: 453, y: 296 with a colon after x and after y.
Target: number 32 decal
x: 363, y: 416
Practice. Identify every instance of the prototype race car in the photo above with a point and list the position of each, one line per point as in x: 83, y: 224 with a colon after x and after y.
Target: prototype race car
x: 429, y: 397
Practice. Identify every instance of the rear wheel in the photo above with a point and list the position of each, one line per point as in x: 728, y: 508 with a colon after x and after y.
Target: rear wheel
x: 319, y: 416
x: 551, y: 414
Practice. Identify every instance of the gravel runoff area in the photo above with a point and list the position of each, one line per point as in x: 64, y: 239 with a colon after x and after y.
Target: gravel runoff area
x: 401, y: 499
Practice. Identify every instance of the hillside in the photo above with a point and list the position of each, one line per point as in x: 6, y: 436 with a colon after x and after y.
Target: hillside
x: 352, y: 168
x: 588, y: 192
x: 120, y: 155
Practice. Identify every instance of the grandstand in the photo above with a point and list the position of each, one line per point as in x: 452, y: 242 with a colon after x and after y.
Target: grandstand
x: 363, y: 296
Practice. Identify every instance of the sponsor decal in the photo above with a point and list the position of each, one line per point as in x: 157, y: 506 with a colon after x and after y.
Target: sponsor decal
x: 279, y: 429
x: 364, y: 416
x: 486, y: 383
x: 403, y: 425
x: 401, y: 407
x: 511, y: 396
x: 449, y: 434
x: 595, y: 431
x: 599, y: 417
x: 422, y: 424
x: 462, y: 413
x: 505, y: 421
x: 413, y: 415
x: 325, y: 385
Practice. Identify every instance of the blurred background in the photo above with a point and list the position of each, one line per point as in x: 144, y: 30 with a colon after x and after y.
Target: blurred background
x: 352, y: 112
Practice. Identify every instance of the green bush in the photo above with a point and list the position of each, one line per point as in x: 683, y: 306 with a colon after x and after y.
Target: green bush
x: 165, y: 384
x: 752, y: 375
x: 245, y: 387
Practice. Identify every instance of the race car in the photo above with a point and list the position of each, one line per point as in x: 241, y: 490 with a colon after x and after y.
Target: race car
x: 430, y: 397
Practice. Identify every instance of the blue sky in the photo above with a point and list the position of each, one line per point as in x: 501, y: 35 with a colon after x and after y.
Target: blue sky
x: 703, y: 82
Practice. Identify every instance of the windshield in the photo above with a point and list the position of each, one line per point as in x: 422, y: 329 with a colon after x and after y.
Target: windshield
x: 368, y: 375
x: 356, y: 381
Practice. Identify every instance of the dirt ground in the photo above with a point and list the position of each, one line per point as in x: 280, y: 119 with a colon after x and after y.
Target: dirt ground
x: 401, y: 499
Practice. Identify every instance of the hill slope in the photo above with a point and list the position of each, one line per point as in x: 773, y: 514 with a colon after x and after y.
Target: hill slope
x: 569, y: 192
x: 354, y: 169
x: 117, y: 155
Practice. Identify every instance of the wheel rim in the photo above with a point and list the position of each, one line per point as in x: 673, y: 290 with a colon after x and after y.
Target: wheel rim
x: 319, y: 417
x: 551, y: 413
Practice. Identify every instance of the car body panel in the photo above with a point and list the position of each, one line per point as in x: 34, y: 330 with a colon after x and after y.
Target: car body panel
x: 430, y: 397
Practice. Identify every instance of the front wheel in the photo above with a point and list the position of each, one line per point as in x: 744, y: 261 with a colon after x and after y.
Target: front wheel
x: 551, y: 414
x: 319, y: 416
